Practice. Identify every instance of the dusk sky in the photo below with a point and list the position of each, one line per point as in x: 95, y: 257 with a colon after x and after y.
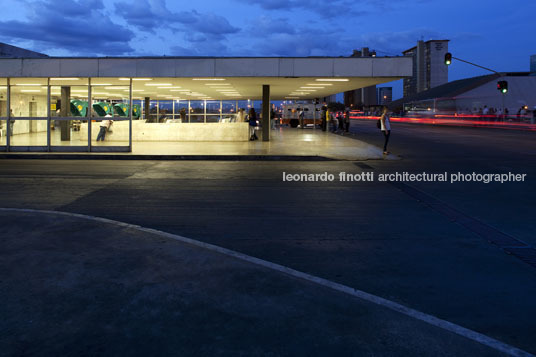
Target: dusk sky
x: 495, y: 34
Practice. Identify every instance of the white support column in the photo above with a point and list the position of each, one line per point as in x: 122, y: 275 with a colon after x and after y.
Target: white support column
x: 48, y: 114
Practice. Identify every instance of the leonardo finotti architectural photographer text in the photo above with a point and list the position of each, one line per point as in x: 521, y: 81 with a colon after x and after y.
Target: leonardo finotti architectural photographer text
x: 405, y: 177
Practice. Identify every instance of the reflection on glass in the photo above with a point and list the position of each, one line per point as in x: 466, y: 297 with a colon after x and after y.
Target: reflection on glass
x: 26, y: 132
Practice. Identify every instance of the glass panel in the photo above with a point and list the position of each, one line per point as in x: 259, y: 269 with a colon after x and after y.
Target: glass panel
x: 110, y: 131
x: 28, y: 132
x: 111, y: 112
x: 152, y: 116
x: 213, y: 111
x: 181, y: 110
x: 197, y: 111
x: 28, y: 97
x: 68, y: 108
x: 228, y: 111
x: 137, y: 110
x: 65, y: 132
x: 3, y: 97
x: 165, y: 111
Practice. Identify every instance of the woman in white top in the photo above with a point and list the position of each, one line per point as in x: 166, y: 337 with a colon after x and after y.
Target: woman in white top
x: 385, y: 128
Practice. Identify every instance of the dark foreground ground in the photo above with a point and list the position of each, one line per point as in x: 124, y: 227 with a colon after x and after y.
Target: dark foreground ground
x: 460, y: 252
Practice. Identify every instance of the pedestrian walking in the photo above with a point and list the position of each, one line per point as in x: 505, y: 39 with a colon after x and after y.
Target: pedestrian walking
x: 385, y: 123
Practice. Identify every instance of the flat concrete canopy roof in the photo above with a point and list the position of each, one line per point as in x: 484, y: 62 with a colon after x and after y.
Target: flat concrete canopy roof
x: 321, y: 76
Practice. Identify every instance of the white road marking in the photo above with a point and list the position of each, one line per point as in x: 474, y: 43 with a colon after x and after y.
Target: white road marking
x: 432, y: 320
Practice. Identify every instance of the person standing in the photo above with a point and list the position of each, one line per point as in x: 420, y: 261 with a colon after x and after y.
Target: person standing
x: 347, y: 119
x: 301, y: 116
x: 252, y: 118
x: 385, y: 128
x: 11, y: 122
x: 240, y: 116
x: 333, y: 121
x: 104, y: 127
x: 182, y: 114
x: 324, y: 116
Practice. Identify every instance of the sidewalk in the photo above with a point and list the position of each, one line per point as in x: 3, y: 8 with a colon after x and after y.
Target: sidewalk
x: 285, y: 144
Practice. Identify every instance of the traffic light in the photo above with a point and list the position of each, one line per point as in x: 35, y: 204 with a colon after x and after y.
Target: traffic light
x: 448, y: 58
x: 502, y: 86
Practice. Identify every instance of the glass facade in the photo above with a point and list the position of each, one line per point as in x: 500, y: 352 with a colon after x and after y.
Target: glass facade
x: 70, y: 114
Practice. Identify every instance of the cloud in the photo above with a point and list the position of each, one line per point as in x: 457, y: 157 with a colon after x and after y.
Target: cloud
x: 266, y: 25
x: 81, y: 27
x: 277, y: 36
x: 321, y: 7
x: 194, y: 33
x: 393, y: 43
x: 151, y: 15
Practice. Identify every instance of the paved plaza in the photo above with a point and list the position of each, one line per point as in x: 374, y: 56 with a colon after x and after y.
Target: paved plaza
x: 224, y: 258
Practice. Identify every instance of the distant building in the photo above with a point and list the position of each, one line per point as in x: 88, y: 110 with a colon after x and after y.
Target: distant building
x: 330, y: 99
x: 533, y: 65
x: 9, y: 51
x: 363, y: 96
x: 385, y: 95
x: 471, y: 95
x: 429, y: 69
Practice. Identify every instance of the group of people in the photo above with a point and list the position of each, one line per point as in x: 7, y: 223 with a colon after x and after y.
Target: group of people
x: 338, y: 122
x: 341, y: 123
x: 251, y: 118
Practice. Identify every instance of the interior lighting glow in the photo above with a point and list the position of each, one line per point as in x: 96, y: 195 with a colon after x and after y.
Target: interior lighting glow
x: 332, y: 80
x: 157, y: 84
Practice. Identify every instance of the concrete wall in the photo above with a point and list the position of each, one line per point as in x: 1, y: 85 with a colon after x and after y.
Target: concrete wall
x: 206, y: 67
x: 142, y: 131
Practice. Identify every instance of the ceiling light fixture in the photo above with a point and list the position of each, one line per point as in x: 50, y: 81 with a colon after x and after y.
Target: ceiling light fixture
x: 332, y: 80
x: 157, y: 84
x: 136, y: 79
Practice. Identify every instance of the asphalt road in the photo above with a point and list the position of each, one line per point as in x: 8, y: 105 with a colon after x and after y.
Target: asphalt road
x: 374, y: 236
